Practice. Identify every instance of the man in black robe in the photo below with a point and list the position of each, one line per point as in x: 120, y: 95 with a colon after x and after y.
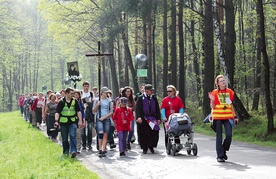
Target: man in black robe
x: 148, y: 119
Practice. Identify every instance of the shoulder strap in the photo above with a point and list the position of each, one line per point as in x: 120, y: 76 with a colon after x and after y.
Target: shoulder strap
x: 109, y: 106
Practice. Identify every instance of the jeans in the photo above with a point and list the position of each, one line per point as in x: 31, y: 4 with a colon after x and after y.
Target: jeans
x: 122, y: 135
x: 103, y: 126
x: 87, y: 137
x: 26, y: 115
x: 131, y: 132
x: 21, y: 110
x: 222, y: 147
x: 70, y: 130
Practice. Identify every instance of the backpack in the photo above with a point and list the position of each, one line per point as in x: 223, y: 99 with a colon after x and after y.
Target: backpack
x: 88, y: 112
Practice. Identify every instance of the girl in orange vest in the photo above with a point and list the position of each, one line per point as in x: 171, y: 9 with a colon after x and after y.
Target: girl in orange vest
x: 222, y: 114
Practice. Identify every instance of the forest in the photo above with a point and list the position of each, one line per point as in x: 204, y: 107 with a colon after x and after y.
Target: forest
x: 187, y: 44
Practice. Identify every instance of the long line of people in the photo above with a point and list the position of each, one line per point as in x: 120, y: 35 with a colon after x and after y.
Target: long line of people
x: 81, y: 115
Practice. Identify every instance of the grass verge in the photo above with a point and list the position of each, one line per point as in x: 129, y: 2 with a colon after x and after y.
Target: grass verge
x: 27, y: 153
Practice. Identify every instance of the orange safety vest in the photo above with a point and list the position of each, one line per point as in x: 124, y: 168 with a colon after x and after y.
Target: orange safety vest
x: 222, y: 109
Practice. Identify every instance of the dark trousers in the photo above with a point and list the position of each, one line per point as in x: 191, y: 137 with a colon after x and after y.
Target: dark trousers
x: 50, y: 122
x: 111, y: 135
x: 87, y: 137
x: 38, y: 113
x: 221, y: 147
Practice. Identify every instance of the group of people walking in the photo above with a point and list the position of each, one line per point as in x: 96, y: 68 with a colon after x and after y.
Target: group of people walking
x: 76, y: 114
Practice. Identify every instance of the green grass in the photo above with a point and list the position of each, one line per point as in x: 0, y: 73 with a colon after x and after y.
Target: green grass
x: 253, y: 130
x: 27, y: 153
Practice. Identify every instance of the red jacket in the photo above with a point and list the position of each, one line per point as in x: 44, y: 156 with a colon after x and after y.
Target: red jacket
x: 122, y: 117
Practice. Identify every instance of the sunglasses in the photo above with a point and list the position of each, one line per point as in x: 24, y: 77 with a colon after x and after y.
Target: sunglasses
x: 169, y: 91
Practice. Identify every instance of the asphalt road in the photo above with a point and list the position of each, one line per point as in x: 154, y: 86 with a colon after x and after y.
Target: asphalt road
x: 244, y: 161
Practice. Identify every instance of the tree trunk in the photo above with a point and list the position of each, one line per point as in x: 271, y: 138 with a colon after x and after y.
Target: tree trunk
x: 230, y: 35
x: 120, y: 65
x: 165, y: 48
x: 274, y: 80
x: 182, y: 69
x: 149, y: 40
x: 208, y: 56
x: 129, y: 62
x: 195, y: 59
x: 115, y: 86
x: 173, y: 68
x: 153, y: 54
x: 104, y: 67
x: 269, y: 111
x: 257, y: 83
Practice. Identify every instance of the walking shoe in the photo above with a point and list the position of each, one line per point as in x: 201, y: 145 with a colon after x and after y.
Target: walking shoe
x: 100, y: 151
x: 145, y: 151
x: 225, y: 157
x: 128, y: 146
x: 89, y: 148
x: 103, y: 154
x: 73, y: 155
x: 83, y: 148
x: 151, y: 150
x: 122, y: 154
x: 112, y: 146
x: 220, y: 159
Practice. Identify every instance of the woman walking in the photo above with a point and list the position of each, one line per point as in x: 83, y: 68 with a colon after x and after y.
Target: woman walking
x: 127, y: 92
x: 103, y: 110
x: 222, y: 114
x: 171, y: 104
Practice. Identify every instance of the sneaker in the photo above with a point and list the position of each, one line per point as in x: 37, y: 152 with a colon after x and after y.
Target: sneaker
x: 89, y: 148
x: 122, y: 154
x: 100, y: 151
x: 112, y: 146
x: 220, y: 159
x: 103, y: 154
x: 128, y: 146
x: 151, y: 150
x: 73, y: 155
x: 83, y: 148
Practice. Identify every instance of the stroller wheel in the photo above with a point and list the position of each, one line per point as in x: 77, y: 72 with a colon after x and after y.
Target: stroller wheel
x: 189, y: 151
x: 174, y: 150
x: 195, y: 149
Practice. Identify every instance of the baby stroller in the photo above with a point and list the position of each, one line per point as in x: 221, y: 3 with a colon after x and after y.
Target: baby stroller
x: 180, y: 124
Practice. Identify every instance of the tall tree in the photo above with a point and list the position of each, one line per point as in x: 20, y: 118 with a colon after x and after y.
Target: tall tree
x: 208, y: 56
x: 173, y: 47
x: 165, y: 47
x: 182, y: 69
x: 262, y: 46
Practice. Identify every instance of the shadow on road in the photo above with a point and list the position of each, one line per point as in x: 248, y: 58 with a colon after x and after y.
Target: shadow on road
x: 234, y: 166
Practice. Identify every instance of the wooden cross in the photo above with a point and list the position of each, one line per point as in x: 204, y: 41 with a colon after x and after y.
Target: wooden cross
x: 99, y: 55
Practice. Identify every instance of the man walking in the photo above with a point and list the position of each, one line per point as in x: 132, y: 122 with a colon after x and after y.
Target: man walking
x: 148, y: 119
x: 87, y: 98
x: 68, y: 115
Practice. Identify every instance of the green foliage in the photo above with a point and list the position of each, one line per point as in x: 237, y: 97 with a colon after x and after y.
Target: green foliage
x: 27, y: 153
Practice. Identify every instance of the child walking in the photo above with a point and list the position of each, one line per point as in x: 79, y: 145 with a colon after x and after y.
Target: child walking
x: 122, y: 118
